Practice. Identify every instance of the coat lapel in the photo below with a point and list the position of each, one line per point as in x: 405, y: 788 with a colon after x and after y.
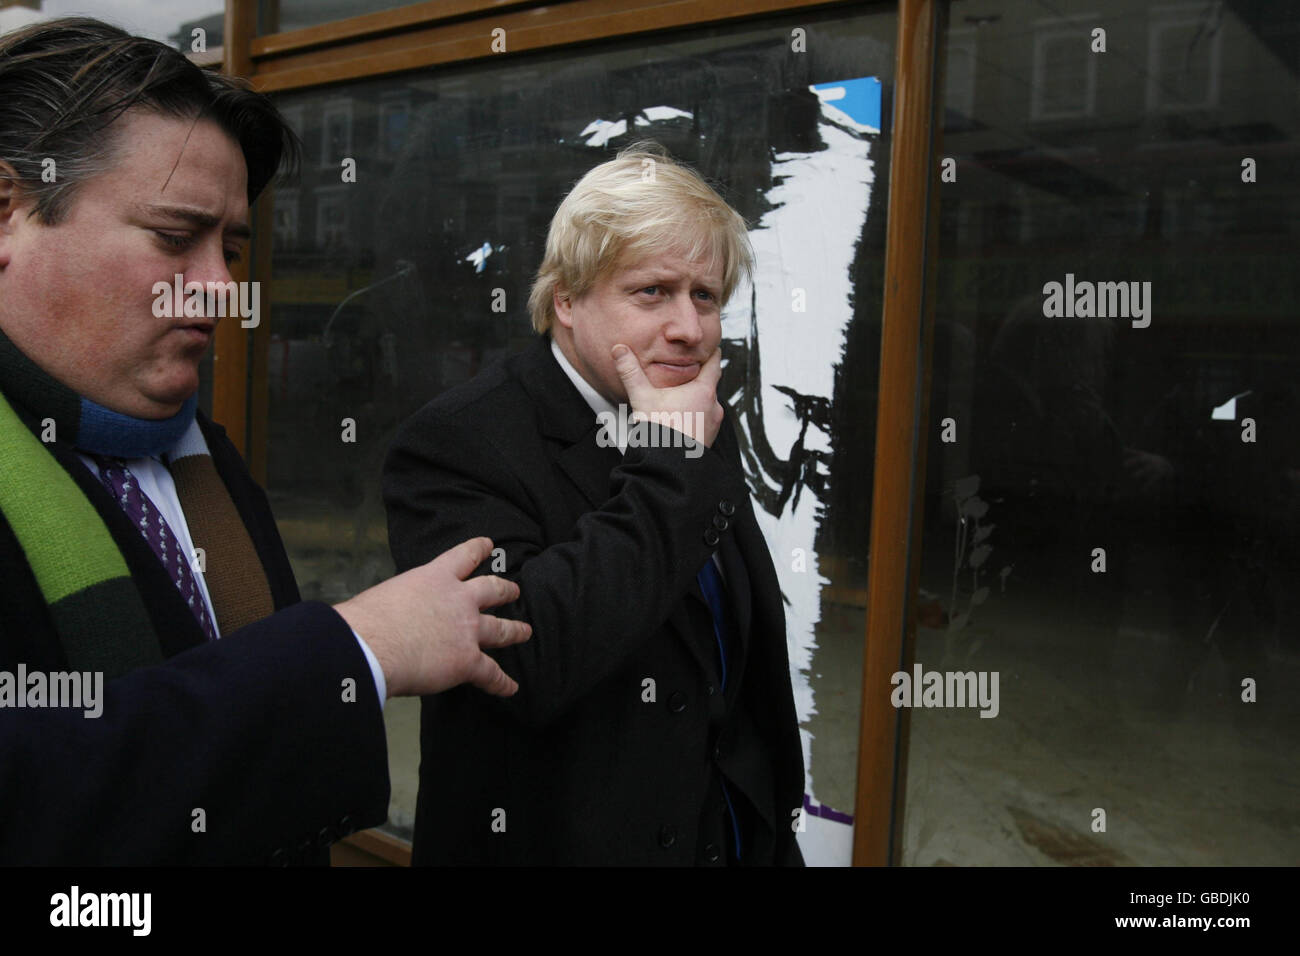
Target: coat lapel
x: 565, y: 417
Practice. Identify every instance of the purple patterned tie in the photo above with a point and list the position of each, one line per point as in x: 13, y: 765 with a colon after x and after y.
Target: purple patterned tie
x: 144, y: 514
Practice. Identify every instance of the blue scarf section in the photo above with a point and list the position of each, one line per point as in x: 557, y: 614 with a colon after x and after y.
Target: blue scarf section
x: 106, y: 432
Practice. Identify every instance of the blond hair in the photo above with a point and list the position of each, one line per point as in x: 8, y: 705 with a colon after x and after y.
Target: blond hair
x: 640, y: 204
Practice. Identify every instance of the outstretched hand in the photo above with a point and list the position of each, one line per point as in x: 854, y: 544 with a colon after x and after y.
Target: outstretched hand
x: 427, y: 629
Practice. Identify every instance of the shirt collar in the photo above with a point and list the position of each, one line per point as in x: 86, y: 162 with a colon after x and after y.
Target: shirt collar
x: 592, y: 397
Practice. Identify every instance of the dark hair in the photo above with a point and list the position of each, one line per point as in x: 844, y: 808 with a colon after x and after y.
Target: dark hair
x: 64, y: 82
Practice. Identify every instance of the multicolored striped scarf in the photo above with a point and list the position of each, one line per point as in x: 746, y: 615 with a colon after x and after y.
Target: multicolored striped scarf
x: 97, y: 609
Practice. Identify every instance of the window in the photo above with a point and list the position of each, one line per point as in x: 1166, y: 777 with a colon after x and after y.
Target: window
x: 1112, y: 503
x: 1065, y: 70
x: 1185, y: 49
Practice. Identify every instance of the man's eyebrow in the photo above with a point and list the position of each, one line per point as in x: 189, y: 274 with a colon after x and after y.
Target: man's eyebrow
x: 196, y: 217
x: 664, y: 275
x: 653, y: 276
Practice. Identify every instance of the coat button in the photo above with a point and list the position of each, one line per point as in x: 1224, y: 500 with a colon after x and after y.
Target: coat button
x: 711, y: 853
x: 344, y: 826
x: 279, y: 858
x: 324, y: 837
x: 711, y: 537
x: 721, y: 523
x: 677, y: 702
x: 667, y: 835
x: 726, y: 507
x: 710, y: 690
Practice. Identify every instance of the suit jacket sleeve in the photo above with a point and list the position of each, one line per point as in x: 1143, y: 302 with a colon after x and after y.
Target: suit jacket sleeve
x: 591, y: 599
x: 253, y: 729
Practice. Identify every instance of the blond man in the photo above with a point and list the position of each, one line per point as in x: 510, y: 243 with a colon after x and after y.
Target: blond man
x: 655, y: 723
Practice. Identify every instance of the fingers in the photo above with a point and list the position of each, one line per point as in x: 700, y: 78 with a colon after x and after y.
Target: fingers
x: 515, y: 632
x: 502, y: 632
x: 465, y: 557
x: 490, y: 678
x: 629, y: 370
x: 490, y: 591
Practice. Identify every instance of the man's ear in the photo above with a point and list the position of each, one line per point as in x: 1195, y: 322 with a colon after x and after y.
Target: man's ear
x: 563, y: 304
x: 14, y: 207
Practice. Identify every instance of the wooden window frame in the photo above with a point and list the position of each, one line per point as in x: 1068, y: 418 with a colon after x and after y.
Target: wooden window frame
x: 447, y: 32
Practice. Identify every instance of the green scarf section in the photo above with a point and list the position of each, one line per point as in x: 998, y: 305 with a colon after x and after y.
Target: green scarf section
x: 97, y: 610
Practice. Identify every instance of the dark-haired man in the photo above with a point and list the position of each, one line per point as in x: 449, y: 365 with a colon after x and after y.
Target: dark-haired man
x: 237, y: 724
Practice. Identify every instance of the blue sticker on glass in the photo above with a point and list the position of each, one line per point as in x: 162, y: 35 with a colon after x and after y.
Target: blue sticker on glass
x: 854, y: 103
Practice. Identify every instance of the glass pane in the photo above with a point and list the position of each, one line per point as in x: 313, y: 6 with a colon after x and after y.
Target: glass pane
x: 173, y: 22
x: 411, y: 279
x: 1114, y: 478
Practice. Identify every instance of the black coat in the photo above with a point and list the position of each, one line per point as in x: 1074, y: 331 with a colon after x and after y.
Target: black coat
x: 581, y: 766
x: 252, y: 729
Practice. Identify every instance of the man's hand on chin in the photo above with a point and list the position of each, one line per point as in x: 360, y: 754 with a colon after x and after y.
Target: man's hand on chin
x: 692, y: 407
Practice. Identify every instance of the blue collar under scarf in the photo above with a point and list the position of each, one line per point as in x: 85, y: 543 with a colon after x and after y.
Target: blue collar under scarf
x: 106, y: 432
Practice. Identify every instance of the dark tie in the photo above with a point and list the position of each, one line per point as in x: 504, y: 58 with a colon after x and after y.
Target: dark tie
x: 145, y: 515
x: 715, y: 592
